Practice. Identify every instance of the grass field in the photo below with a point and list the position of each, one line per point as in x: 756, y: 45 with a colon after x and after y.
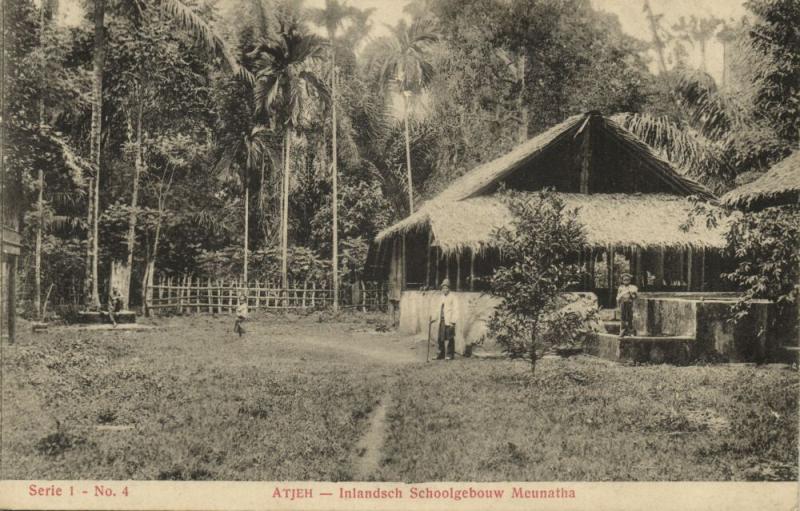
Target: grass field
x: 292, y: 399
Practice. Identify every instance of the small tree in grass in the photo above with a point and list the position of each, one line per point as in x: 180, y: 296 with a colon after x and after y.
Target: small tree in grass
x: 536, y: 248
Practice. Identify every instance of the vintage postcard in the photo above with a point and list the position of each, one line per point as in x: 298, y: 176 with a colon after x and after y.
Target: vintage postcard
x: 400, y: 254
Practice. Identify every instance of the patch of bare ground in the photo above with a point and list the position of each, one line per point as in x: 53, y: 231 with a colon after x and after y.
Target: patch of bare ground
x: 367, y: 453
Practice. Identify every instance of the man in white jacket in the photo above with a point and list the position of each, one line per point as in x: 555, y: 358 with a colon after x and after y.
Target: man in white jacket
x: 448, y: 317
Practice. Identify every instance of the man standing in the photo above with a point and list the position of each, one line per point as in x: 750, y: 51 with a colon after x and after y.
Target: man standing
x: 448, y: 316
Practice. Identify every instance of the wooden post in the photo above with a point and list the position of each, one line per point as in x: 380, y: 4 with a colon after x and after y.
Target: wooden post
x: 458, y: 271
x: 305, y: 288
x: 428, y: 260
x: 703, y: 269
x: 689, y: 255
x: 592, y: 260
x: 660, y: 269
x: 403, y: 282
x: 209, y: 295
x: 436, y: 257
x: 472, y: 270
x: 639, y: 280
x: 447, y: 266
x: 610, y: 269
x: 680, y: 266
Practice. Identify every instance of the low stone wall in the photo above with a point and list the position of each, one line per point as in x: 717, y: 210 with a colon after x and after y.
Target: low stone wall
x: 473, y: 310
x: 706, y: 318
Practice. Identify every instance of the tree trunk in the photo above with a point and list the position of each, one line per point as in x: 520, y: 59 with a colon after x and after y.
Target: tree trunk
x: 87, y: 282
x: 408, y: 158
x: 287, y: 144
x: 246, y: 227
x: 96, y: 130
x: 40, y: 186
x: 38, y: 255
x: 137, y: 170
x: 533, y: 351
x: 657, y: 42
x: 335, y: 192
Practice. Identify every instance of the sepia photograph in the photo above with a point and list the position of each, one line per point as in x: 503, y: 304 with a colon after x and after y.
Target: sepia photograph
x: 400, y: 254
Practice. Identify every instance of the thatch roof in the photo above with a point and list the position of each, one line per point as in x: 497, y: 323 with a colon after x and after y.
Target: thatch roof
x: 644, y: 220
x: 780, y: 185
x: 481, y: 178
x: 464, y: 214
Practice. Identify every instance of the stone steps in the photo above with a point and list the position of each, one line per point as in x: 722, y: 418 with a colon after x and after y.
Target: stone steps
x: 613, y: 327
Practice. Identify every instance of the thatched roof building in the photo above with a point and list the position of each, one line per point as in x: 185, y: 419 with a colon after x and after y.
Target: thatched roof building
x: 779, y: 185
x: 633, y: 204
x: 640, y: 220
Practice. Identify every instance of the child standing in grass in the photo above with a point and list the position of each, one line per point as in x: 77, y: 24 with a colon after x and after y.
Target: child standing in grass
x: 241, y: 315
x: 625, y: 296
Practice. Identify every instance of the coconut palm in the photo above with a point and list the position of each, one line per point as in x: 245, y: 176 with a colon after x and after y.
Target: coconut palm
x: 332, y: 17
x: 284, y: 83
x: 403, y: 58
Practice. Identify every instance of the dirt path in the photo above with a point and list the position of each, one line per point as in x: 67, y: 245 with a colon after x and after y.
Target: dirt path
x: 367, y: 455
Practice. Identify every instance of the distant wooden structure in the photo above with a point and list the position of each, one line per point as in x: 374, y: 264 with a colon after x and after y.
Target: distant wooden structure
x: 10, y: 245
x: 633, y: 204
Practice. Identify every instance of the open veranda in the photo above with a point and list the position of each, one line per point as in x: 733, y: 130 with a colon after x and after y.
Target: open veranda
x: 297, y: 398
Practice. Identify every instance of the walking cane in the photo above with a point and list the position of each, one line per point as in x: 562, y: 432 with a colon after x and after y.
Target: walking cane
x: 428, y: 354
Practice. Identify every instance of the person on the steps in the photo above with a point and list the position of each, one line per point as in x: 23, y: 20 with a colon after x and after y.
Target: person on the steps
x: 114, y: 304
x: 626, y: 293
x: 448, y: 317
x: 241, y: 315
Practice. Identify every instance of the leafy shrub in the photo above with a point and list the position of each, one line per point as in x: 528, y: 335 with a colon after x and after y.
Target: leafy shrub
x: 766, y: 245
x: 536, y: 269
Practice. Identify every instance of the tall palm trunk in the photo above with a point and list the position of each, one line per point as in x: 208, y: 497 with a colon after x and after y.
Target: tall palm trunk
x: 657, y: 42
x: 40, y: 186
x: 87, y: 282
x: 246, y: 228
x: 96, y: 131
x: 406, y: 94
x: 335, y: 191
x: 287, y: 152
x: 137, y: 171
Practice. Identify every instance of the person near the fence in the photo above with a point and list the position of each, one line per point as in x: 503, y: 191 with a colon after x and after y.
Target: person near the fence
x: 114, y: 304
x: 625, y: 296
x: 241, y: 315
x: 448, y: 318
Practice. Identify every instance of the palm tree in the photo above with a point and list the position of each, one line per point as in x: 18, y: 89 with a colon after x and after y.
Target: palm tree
x: 403, y: 58
x: 332, y: 17
x: 187, y: 19
x: 284, y: 83
x: 248, y: 152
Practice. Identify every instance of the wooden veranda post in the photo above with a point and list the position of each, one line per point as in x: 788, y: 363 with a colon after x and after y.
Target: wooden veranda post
x: 458, y: 271
x: 610, y: 268
x: 689, y: 255
x: 471, y: 270
x: 703, y: 269
x: 428, y: 260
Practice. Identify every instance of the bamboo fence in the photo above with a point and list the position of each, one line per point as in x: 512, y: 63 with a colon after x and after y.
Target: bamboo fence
x: 187, y: 294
